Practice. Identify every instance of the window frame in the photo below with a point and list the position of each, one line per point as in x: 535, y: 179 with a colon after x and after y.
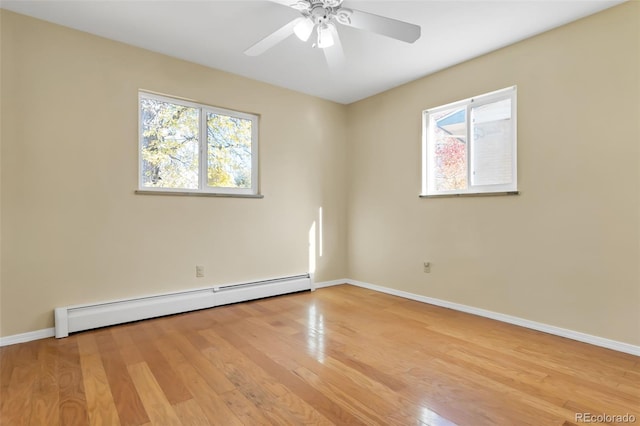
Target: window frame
x: 428, y: 156
x: 203, y: 150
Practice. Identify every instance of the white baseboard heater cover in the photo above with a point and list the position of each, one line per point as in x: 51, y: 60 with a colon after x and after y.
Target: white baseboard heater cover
x: 70, y: 319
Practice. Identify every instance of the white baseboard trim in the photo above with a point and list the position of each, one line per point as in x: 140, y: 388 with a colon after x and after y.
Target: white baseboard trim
x: 27, y: 337
x: 534, y: 325
x: 558, y: 331
x: 323, y: 284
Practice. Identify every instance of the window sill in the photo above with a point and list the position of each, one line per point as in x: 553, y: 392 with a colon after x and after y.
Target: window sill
x: 477, y: 194
x: 197, y: 194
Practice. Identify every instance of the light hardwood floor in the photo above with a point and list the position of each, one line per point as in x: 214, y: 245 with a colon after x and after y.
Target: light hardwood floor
x: 341, y: 355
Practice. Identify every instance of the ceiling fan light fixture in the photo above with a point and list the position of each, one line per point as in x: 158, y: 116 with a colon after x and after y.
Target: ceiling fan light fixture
x: 304, y: 28
x: 325, y: 36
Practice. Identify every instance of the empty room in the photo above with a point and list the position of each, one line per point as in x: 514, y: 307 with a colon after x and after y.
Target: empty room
x: 320, y: 212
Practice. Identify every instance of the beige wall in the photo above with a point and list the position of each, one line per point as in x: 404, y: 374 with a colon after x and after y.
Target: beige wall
x: 72, y: 229
x: 566, y: 251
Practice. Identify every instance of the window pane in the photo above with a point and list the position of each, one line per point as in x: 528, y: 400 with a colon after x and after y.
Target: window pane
x: 229, y: 151
x: 169, y: 145
x: 492, y: 147
x: 449, y: 149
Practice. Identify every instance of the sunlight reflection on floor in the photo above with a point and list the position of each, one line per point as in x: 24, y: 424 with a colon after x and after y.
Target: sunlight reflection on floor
x: 315, y: 334
x: 431, y: 418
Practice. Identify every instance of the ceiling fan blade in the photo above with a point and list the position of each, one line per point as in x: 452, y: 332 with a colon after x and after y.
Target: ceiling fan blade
x: 272, y: 39
x: 382, y: 25
x: 335, y: 54
x: 283, y: 2
x: 295, y: 4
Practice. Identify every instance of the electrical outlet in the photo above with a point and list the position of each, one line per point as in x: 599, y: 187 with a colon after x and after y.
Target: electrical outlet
x: 199, y: 271
x: 427, y: 267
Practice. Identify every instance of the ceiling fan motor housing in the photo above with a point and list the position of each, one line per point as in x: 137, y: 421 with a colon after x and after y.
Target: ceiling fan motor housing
x: 320, y: 15
x: 323, y: 11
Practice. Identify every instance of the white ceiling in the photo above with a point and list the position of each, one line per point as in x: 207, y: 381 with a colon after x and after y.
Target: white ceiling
x: 215, y: 33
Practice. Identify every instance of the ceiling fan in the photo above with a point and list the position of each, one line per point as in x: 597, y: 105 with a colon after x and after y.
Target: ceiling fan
x: 322, y: 16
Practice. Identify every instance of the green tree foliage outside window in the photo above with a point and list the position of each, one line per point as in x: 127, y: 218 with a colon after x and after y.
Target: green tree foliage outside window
x: 229, y: 150
x: 170, y: 146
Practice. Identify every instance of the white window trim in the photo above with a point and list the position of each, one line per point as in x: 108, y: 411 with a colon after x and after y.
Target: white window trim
x: 203, y: 189
x: 428, y: 157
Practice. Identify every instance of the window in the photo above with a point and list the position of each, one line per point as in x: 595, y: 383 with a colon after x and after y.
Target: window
x: 469, y: 147
x: 193, y: 148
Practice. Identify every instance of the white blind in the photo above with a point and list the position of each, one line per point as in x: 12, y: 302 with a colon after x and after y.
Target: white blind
x: 492, y: 147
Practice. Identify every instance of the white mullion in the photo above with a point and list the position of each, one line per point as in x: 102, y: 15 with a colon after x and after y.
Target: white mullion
x: 431, y: 154
x: 140, y: 144
x: 254, y: 154
x: 469, y: 107
x: 204, y: 154
x: 514, y: 141
x: 425, y: 156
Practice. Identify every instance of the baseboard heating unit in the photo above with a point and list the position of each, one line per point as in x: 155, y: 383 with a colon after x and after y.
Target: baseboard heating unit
x: 70, y: 319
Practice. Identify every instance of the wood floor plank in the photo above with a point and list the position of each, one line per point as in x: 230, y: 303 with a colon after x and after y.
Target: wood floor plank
x: 246, y: 411
x: 73, y: 403
x: 335, y: 374
x: 154, y: 400
x: 301, y: 411
x: 12, y: 357
x: 213, y: 406
x: 491, y: 334
x: 496, y: 364
x: 170, y: 383
x: 8, y: 362
x: 127, y: 401
x: 351, y: 403
x: 340, y: 355
x: 212, y: 375
x: 239, y: 369
x: 127, y: 346
x: 18, y: 407
x: 410, y: 355
x: 552, y: 387
x: 100, y: 405
x: 246, y: 375
x: 321, y: 402
x: 190, y: 413
x: 45, y: 393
